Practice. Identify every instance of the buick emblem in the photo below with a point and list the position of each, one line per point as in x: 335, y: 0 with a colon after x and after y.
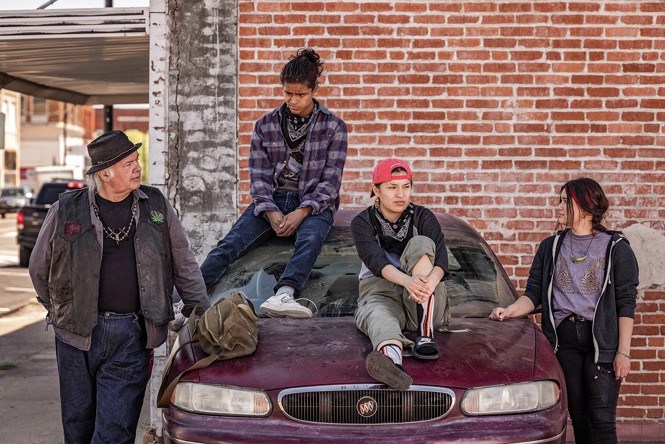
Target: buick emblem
x: 366, y: 407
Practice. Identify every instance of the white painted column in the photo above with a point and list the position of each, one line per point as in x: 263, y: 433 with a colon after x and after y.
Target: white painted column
x: 158, y: 124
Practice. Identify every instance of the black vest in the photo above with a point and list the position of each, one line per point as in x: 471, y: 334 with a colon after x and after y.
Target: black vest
x: 76, y: 260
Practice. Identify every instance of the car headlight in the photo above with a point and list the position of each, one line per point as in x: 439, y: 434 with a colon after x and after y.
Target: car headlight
x: 512, y: 398
x: 220, y: 400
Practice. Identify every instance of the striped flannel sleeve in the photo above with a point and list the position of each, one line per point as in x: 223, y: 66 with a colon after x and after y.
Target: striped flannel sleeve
x: 260, y: 172
x: 326, y: 193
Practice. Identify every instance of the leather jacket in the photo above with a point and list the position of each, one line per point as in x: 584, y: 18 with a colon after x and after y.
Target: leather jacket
x: 68, y: 258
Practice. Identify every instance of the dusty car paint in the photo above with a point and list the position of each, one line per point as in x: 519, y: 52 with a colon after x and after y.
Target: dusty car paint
x: 326, y: 351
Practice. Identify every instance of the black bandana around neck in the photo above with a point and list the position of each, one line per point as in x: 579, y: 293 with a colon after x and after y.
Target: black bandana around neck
x: 399, y: 229
x: 294, y: 128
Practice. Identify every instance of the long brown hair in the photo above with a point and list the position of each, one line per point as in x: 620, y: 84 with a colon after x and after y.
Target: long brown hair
x: 590, y: 197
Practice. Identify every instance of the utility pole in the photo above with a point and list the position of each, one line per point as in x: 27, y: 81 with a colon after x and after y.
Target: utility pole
x: 64, y: 133
x: 108, y: 109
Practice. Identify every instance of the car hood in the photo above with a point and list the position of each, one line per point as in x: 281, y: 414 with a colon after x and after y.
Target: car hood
x: 322, y: 351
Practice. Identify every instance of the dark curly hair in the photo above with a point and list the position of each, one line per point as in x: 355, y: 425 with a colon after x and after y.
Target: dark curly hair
x: 590, y: 197
x: 304, y: 68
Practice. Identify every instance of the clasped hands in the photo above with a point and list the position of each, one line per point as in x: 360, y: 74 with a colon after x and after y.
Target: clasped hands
x: 419, y: 288
x: 285, y: 225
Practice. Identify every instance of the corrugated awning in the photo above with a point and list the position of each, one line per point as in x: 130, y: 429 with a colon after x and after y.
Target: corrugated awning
x: 83, y: 56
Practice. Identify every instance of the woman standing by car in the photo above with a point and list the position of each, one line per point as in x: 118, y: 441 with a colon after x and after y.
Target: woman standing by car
x: 585, y: 278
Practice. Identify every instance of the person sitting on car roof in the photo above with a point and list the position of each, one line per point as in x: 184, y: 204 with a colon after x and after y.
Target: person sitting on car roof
x: 296, y: 159
x: 404, y: 260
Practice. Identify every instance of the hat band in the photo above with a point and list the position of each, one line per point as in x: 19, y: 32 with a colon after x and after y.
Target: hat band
x: 112, y: 159
x: 400, y: 177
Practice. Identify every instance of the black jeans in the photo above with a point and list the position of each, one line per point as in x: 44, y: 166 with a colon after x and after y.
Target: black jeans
x: 593, y: 390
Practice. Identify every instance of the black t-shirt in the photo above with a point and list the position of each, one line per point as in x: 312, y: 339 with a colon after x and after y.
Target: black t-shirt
x: 118, y: 279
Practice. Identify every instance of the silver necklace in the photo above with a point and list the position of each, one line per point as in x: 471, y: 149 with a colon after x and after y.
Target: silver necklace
x: 122, y: 233
x: 579, y: 260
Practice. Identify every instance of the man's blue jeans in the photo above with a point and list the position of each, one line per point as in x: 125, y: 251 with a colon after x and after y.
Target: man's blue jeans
x: 101, y: 390
x: 593, y: 390
x: 251, y: 231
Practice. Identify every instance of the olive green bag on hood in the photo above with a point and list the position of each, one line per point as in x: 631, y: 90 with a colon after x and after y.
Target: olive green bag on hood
x: 226, y: 330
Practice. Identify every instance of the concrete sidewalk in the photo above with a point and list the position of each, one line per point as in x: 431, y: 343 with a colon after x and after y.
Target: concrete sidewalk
x: 29, y: 394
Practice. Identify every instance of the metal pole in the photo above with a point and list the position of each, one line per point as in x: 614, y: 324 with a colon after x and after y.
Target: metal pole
x: 64, y: 134
x: 47, y: 4
x: 108, y: 109
x: 108, y: 118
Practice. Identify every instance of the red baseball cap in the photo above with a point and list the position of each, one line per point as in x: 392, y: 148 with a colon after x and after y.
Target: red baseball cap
x: 383, y: 171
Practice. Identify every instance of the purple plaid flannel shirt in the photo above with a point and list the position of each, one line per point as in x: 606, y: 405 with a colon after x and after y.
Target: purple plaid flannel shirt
x: 324, y: 157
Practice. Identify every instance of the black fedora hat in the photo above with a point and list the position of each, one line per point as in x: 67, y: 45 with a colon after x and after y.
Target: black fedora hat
x: 109, y: 149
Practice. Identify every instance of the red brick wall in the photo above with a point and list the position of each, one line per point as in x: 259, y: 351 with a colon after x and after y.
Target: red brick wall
x: 495, y: 104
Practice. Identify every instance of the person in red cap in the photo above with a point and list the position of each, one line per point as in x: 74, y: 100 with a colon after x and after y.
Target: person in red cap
x: 404, y: 260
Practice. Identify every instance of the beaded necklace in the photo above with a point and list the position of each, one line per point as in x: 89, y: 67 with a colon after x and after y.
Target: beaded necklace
x: 122, y: 233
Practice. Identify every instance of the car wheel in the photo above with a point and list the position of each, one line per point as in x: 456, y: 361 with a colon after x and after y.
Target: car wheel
x: 24, y: 256
x: 3, y: 215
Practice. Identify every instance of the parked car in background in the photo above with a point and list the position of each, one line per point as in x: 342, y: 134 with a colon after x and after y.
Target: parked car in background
x: 30, y: 217
x: 11, y: 199
x: 306, y: 381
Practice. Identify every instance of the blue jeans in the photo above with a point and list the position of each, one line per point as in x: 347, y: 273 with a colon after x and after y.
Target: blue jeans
x: 101, y: 390
x: 251, y: 231
x: 593, y: 390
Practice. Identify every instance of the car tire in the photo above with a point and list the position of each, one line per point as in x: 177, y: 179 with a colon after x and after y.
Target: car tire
x: 24, y: 256
x: 3, y: 215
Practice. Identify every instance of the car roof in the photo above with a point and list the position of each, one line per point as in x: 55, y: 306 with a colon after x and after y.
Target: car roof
x: 447, y: 221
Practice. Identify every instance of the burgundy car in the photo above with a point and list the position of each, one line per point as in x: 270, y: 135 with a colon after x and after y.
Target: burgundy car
x: 306, y: 382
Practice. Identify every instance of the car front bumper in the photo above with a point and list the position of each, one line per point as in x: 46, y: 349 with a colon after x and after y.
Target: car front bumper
x: 548, y: 426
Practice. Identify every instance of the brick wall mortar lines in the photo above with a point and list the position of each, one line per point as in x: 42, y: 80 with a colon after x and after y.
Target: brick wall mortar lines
x: 495, y: 104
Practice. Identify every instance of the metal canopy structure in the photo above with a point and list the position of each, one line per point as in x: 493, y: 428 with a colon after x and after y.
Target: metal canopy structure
x: 82, y: 56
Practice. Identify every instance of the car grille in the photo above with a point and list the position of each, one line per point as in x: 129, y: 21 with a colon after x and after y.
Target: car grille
x: 366, y: 404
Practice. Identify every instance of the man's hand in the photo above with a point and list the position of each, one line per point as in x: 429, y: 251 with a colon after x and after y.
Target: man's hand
x: 275, y: 218
x: 292, y: 221
x: 180, y: 319
x: 177, y: 324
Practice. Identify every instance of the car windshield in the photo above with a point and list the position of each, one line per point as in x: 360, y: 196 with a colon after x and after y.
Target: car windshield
x: 475, y: 285
x: 12, y: 192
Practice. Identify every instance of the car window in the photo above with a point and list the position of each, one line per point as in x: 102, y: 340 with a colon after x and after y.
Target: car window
x: 476, y: 283
x: 49, y: 194
x: 12, y: 192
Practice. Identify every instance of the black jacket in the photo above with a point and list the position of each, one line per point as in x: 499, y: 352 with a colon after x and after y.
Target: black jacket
x: 372, y: 254
x: 617, y: 299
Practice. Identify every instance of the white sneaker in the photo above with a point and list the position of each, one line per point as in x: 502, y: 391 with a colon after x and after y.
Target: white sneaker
x: 284, y: 306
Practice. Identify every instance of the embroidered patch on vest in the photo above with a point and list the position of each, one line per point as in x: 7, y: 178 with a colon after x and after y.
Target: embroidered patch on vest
x: 72, y: 228
x: 156, y: 216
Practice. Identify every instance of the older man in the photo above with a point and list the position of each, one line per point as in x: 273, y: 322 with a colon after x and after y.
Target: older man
x: 104, y: 266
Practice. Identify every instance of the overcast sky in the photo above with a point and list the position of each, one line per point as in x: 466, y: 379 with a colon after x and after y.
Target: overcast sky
x: 69, y: 4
